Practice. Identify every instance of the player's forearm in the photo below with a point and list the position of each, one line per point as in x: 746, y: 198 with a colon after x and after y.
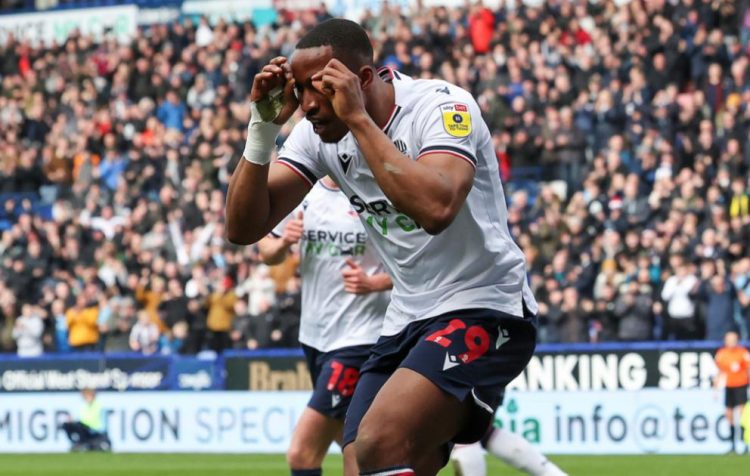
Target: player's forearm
x: 414, y: 189
x: 380, y: 282
x: 273, y: 250
x: 248, y: 204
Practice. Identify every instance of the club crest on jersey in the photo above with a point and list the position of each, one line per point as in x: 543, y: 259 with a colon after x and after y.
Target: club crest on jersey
x: 400, y: 145
x: 345, y: 159
x: 456, y: 119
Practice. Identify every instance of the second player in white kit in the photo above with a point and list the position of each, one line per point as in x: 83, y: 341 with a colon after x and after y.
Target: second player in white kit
x: 344, y: 298
x: 333, y: 240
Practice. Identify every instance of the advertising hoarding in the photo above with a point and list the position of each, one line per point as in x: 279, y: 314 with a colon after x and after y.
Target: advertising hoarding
x: 590, y: 422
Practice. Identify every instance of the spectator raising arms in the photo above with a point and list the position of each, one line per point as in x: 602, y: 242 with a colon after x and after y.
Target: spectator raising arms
x: 221, y: 314
x: 83, y: 331
x: 144, y: 336
x: 27, y: 331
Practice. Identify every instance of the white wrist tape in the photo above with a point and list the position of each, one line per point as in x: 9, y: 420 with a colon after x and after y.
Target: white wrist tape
x: 261, y: 138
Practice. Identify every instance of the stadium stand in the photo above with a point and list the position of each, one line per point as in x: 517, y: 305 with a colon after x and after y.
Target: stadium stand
x: 621, y: 129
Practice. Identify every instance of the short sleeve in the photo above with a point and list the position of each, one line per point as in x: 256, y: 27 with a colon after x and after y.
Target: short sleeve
x: 448, y: 125
x: 720, y: 361
x: 300, y: 153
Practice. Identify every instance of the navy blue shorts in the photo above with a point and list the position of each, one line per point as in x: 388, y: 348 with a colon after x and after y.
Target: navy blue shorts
x: 471, y: 353
x: 334, y: 375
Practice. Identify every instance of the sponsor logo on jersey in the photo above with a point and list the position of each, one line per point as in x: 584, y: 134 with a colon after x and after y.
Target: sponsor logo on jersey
x: 502, y: 337
x: 456, y: 119
x: 333, y: 243
x: 382, y: 216
x: 345, y: 159
x: 450, y: 361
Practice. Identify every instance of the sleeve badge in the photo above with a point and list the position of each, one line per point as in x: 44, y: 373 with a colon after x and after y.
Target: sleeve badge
x: 456, y: 119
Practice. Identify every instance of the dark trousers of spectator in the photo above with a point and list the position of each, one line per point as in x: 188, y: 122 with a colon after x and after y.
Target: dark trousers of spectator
x: 84, y: 348
x: 570, y: 173
x: 218, y: 341
x: 194, y: 342
x: 78, y: 433
x: 681, y: 329
x: 84, y: 438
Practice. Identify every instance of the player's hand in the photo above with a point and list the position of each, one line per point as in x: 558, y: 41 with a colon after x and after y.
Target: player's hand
x: 343, y: 88
x: 274, y: 74
x: 293, y: 230
x: 356, y: 281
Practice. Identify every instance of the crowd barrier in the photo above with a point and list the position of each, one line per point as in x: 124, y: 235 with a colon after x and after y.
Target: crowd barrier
x: 650, y: 420
x: 109, y: 372
x: 554, y: 367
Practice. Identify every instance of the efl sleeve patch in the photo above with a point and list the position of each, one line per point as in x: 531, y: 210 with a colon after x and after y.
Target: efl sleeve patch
x: 456, y: 119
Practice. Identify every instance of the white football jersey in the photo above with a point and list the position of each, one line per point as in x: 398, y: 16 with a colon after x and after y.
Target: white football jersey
x: 331, y: 317
x: 474, y: 263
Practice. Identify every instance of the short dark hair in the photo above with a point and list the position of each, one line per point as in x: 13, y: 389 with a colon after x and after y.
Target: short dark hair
x: 347, y: 39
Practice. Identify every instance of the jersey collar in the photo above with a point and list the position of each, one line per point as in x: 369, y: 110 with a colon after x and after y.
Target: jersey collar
x: 390, y: 75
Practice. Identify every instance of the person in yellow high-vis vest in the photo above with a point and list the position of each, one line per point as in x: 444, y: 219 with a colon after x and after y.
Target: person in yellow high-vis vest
x: 745, y: 424
x: 88, y: 433
x: 739, y: 203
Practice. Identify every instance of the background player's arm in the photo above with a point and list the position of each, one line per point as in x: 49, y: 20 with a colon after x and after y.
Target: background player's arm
x: 357, y: 281
x: 259, y: 194
x: 273, y: 249
x: 721, y: 377
x: 431, y: 191
x: 720, y: 380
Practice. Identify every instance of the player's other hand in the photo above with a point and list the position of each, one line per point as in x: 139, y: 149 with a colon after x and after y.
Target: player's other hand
x: 275, y: 74
x: 293, y: 230
x: 343, y: 88
x: 356, y: 281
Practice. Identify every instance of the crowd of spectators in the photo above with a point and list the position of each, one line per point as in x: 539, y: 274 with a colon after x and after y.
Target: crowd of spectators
x: 622, y: 131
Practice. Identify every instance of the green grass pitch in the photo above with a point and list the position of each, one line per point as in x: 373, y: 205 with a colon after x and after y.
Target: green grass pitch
x: 99, y: 464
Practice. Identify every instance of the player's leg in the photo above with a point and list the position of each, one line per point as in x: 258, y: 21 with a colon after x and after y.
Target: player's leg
x: 370, y: 383
x: 729, y: 414
x: 469, y: 460
x: 311, y: 439
x: 336, y: 375
x: 350, y: 461
x: 517, y: 452
x: 740, y: 402
x: 740, y: 411
x: 729, y: 406
x: 322, y: 421
x: 446, y: 389
x: 408, y: 425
